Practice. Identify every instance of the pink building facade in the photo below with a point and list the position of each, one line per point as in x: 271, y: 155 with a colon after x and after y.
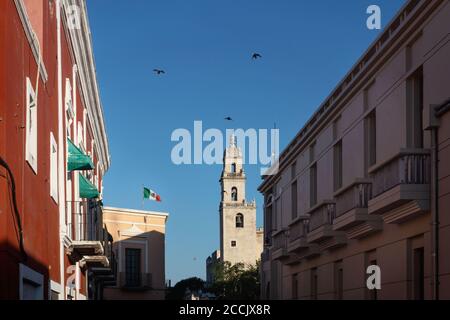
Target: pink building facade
x: 366, y: 180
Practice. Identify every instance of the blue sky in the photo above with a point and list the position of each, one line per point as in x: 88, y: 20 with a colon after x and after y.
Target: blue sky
x: 205, y: 47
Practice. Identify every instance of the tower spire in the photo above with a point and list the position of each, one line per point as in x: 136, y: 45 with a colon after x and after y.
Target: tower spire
x: 233, y: 141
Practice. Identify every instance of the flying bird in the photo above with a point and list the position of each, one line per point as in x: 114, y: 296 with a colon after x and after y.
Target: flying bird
x: 159, y: 71
x: 256, y: 56
x: 229, y: 119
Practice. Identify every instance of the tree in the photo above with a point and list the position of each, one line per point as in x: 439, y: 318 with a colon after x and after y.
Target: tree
x: 236, y: 282
x: 179, y: 290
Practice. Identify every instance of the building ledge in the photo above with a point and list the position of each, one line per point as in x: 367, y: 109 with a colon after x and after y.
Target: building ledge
x: 364, y: 229
x: 280, y: 254
x: 333, y: 243
x: 94, y: 262
x: 79, y: 249
x: 322, y: 233
x: 310, y: 252
x: 298, y: 245
x: 354, y: 218
x: 408, y: 211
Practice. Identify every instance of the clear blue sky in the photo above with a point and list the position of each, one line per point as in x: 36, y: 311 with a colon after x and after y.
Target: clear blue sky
x: 205, y: 47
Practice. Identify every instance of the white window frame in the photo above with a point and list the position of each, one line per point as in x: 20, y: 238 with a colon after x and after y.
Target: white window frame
x: 55, y: 287
x: 32, y: 276
x: 31, y: 119
x: 53, y: 168
x: 80, y: 133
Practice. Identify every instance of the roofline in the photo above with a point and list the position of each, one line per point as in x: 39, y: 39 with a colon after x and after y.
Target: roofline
x: 134, y: 211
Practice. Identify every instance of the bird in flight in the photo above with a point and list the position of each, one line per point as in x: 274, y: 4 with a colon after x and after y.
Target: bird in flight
x: 159, y: 71
x: 256, y: 56
x: 229, y: 119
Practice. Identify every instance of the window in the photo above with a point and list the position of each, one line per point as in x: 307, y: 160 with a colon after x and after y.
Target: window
x: 234, y: 194
x: 337, y: 166
x: 339, y: 280
x: 313, y: 185
x: 233, y: 168
x: 418, y: 274
x: 414, y: 110
x: 133, y: 267
x: 31, y: 127
x: 239, y: 220
x: 314, y: 281
x: 370, y: 138
x: 233, y: 244
x: 294, y: 199
x: 53, y: 168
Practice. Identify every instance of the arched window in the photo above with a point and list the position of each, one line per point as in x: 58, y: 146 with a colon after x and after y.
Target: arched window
x: 239, y: 220
x: 234, y: 194
x: 233, y: 168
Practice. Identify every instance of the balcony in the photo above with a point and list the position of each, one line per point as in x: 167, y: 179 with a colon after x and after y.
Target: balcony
x: 352, y: 215
x: 321, y: 227
x: 401, y: 186
x: 298, y: 243
x: 140, y: 282
x: 298, y: 230
x: 85, y: 229
x: 107, y: 275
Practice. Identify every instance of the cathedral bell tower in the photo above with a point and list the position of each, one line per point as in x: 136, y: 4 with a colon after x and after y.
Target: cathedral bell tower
x: 238, y: 234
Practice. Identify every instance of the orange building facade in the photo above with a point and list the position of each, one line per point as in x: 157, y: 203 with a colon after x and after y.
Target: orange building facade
x: 53, y: 155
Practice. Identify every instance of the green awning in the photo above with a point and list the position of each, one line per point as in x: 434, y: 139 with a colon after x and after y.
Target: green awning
x: 77, y: 160
x: 87, y: 189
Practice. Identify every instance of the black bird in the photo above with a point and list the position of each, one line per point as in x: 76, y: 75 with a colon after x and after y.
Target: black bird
x: 256, y: 56
x: 228, y: 119
x: 159, y: 71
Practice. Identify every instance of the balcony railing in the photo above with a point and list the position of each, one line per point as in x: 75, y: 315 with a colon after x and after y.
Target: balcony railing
x: 86, y: 220
x: 298, y: 230
x: 356, y: 196
x: 408, y: 167
x: 323, y: 214
x: 401, y: 186
x: 280, y: 240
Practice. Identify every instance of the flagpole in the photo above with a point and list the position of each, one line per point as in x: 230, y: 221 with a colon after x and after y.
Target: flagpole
x: 142, y: 197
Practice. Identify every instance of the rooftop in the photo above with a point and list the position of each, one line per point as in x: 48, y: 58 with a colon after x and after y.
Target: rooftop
x: 135, y: 212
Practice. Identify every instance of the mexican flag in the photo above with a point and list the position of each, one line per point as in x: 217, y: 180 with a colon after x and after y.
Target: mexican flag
x: 151, y: 195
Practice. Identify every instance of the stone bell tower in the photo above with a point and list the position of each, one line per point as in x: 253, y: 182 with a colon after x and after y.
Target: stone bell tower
x: 240, y: 241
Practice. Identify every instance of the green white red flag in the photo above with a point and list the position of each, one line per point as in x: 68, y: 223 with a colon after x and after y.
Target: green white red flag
x: 151, y: 195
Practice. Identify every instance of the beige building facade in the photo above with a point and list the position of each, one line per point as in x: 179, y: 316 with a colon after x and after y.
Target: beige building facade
x: 240, y: 240
x: 365, y: 182
x: 139, y: 247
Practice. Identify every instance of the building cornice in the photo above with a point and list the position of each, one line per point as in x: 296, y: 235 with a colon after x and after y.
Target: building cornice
x: 134, y: 212
x: 361, y: 72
